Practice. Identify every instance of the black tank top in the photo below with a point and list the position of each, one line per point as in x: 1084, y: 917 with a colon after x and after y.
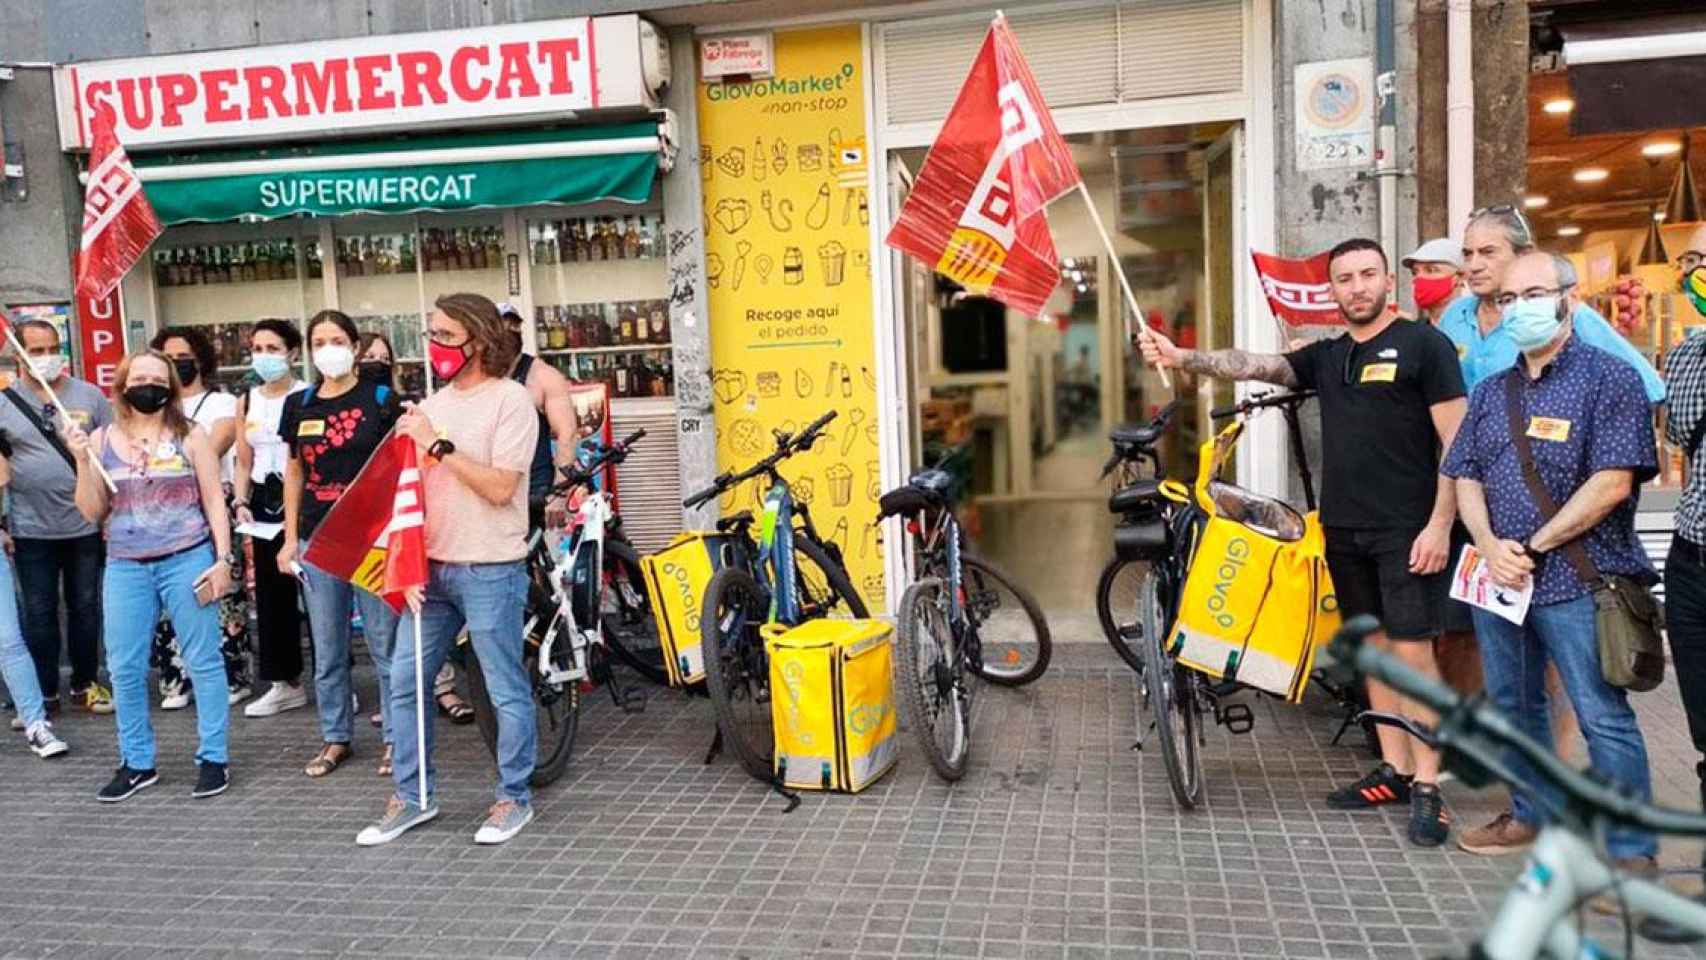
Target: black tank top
x: 541, y: 474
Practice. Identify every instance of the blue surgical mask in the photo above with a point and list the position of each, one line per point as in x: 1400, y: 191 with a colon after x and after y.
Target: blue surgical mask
x: 1531, y: 324
x: 270, y: 366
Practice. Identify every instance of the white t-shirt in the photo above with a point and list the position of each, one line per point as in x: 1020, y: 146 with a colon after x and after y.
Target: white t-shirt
x: 271, y: 452
x: 207, y: 410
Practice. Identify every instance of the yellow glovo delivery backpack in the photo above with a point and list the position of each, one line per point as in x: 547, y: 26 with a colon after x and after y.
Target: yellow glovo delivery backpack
x: 832, y: 704
x: 675, y: 579
x: 1257, y: 598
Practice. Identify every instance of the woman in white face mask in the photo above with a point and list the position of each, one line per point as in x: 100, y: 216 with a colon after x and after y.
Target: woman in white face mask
x: 331, y: 430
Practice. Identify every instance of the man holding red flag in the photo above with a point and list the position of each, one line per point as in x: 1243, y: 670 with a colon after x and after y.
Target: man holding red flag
x: 975, y: 213
x: 478, y: 435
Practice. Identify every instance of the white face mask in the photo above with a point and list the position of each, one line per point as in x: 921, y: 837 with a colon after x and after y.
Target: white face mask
x: 334, y: 360
x: 49, y: 367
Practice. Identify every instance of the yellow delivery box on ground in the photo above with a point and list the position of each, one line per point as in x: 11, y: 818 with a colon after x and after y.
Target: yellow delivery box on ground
x: 832, y: 703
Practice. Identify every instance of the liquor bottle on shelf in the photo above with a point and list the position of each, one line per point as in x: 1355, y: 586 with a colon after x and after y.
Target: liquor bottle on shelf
x: 623, y: 374
x: 264, y: 261
x: 247, y: 270
x: 661, y: 386
x: 657, y: 322
x: 648, y: 242
x: 583, y: 240
x: 495, y: 248
x: 162, y: 268
x: 315, y: 264
x: 369, y: 257
x: 556, y: 338
x: 406, y: 258
x: 630, y: 239
x: 198, y: 266
x: 542, y: 252
x: 626, y: 332
x: 476, y: 239
x: 458, y: 248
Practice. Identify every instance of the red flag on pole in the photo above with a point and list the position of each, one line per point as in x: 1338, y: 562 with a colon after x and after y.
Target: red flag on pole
x: 375, y: 534
x: 975, y: 213
x: 1297, y: 290
x: 118, y: 222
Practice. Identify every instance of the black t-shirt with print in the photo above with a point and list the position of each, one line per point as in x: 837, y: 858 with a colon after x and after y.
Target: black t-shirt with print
x: 333, y: 437
x: 1380, y: 452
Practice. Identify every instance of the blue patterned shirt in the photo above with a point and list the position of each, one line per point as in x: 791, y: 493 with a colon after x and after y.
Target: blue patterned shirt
x: 1488, y: 356
x: 1586, y: 412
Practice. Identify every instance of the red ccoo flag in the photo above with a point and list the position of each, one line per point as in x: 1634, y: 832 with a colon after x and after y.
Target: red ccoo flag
x: 375, y: 534
x: 1297, y: 290
x: 975, y: 213
x: 118, y: 222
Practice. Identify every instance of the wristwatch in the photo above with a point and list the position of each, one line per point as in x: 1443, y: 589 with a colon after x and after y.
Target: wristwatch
x: 1531, y: 553
x: 440, y: 449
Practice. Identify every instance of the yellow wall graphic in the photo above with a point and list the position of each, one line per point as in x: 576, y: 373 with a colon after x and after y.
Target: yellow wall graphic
x: 788, y: 256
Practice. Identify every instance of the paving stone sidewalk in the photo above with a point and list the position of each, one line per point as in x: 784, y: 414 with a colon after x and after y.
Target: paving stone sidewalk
x: 1061, y: 842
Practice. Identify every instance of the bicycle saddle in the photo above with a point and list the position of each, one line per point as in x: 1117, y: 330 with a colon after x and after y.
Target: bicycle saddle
x: 1135, y: 434
x: 1127, y: 500
x: 926, y: 490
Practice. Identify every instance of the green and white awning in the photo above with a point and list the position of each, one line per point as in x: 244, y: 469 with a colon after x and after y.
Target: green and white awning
x: 461, y: 172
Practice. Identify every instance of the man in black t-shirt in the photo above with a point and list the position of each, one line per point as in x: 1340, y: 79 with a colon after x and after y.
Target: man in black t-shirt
x: 1391, y: 396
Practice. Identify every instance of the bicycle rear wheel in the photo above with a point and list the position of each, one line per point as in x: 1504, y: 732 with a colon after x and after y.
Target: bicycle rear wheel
x: 556, y: 707
x: 1118, y: 593
x: 935, y: 694
x: 737, y: 670
x: 1172, y: 698
x: 629, y: 628
x: 1013, y: 641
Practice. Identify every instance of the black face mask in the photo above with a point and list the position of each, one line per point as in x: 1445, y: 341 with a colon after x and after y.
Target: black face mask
x: 148, y: 398
x: 187, y: 370
x: 374, y: 371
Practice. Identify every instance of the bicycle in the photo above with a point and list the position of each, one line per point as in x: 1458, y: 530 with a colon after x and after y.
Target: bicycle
x: 954, y: 621
x: 1122, y: 578
x: 1564, y: 867
x: 581, y: 593
x: 784, y: 576
x: 1163, y: 525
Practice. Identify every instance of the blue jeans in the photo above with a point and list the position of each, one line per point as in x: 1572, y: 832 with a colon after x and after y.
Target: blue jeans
x: 17, y: 667
x: 488, y: 598
x: 42, y: 566
x: 1514, y: 661
x: 136, y: 591
x: 328, y: 599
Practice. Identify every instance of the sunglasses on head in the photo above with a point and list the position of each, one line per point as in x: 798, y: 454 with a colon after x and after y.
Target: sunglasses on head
x: 1506, y: 210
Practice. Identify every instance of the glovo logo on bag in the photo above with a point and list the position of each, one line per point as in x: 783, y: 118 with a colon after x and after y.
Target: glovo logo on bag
x: 1232, y: 563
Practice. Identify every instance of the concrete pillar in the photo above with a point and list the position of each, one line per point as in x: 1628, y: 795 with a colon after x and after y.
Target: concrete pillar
x: 1501, y: 102
x: 40, y: 214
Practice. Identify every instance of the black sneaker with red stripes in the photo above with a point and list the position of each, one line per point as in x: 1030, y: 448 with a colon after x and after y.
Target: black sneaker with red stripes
x: 1382, y: 786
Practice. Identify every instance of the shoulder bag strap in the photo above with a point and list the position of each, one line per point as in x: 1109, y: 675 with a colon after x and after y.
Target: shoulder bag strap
x: 1577, y: 554
x: 47, y: 432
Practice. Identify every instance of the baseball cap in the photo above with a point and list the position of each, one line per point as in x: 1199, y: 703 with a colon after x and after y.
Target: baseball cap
x: 507, y: 309
x: 1439, y: 250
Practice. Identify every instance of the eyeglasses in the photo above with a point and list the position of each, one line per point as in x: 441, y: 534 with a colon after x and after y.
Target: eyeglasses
x: 1510, y: 211
x: 1690, y: 260
x: 444, y: 338
x: 1532, y: 293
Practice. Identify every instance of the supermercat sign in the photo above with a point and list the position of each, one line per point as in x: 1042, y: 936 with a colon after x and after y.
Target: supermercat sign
x: 551, y: 68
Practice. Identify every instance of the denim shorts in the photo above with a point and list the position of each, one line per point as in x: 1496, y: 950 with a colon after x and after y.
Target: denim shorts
x: 1371, y: 574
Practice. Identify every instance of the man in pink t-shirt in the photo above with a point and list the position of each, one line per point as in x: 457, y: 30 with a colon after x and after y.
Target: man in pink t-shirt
x: 477, y: 436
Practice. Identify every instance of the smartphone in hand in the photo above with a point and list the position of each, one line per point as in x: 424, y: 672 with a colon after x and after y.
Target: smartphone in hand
x: 204, y: 591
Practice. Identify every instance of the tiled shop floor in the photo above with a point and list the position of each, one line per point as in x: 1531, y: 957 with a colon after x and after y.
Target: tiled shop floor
x: 1060, y: 842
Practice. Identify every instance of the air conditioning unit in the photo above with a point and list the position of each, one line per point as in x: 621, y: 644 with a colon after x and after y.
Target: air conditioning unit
x: 654, y: 58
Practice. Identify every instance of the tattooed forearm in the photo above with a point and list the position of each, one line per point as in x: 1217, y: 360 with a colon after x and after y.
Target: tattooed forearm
x: 1240, y: 365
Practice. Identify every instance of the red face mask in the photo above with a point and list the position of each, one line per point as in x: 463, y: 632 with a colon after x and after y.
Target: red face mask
x: 1432, y: 291
x: 447, y: 362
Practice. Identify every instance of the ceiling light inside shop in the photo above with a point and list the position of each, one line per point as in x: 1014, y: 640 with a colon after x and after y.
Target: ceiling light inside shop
x: 1571, y: 231
x: 1591, y: 174
x: 1661, y: 148
x: 1559, y: 107
x: 1535, y: 201
x: 1070, y: 263
x: 1078, y: 276
x: 1082, y: 288
x: 1659, y: 215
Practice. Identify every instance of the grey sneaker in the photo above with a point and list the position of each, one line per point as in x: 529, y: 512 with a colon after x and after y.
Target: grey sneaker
x: 44, y: 743
x: 504, y: 820
x: 281, y: 697
x: 400, y: 817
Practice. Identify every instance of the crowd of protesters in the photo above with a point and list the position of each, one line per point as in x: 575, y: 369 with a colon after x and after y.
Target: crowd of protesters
x: 1507, y: 414
x: 137, y: 512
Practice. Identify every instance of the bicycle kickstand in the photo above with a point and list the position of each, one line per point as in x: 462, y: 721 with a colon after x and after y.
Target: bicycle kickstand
x: 716, y: 747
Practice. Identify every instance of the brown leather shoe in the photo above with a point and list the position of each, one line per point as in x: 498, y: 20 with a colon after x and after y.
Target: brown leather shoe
x: 1504, y: 835
x: 1609, y: 903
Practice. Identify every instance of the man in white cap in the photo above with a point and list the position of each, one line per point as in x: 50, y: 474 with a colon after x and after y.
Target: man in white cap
x: 1436, y: 277
x: 551, y: 397
x: 1685, y: 567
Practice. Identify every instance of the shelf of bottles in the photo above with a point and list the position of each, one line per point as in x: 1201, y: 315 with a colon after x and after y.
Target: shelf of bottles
x: 586, y: 273
x: 403, y: 332
x: 224, y: 286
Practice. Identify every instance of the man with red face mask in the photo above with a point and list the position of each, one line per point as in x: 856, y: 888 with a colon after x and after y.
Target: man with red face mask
x: 1436, y: 269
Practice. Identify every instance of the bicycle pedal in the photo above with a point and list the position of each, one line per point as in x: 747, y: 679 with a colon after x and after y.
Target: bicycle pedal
x: 557, y: 677
x: 1236, y: 717
x: 633, y: 701
x: 1133, y: 631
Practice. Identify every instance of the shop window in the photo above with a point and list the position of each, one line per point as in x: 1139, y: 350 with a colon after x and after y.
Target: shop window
x: 377, y: 262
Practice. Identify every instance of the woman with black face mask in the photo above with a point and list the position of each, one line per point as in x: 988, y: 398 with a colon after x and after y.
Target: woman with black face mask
x: 168, y: 548
x: 214, y: 411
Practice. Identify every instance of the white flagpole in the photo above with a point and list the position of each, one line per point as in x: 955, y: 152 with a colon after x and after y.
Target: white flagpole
x: 64, y: 418
x: 420, y: 715
x: 1125, y: 285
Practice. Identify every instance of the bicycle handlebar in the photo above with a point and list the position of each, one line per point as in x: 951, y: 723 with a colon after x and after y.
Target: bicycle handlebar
x: 1261, y: 400
x: 786, y: 446
x: 577, y: 475
x: 1477, y: 730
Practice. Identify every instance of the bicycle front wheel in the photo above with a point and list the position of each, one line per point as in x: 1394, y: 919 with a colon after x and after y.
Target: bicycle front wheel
x: 822, y: 583
x: 1172, y: 697
x: 737, y: 670
x: 629, y: 628
x: 935, y: 697
x: 556, y: 707
x: 1118, y: 593
x: 1013, y: 639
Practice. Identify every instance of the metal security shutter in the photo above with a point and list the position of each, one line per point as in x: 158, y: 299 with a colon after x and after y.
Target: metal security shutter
x: 1092, y: 54
x: 648, y: 483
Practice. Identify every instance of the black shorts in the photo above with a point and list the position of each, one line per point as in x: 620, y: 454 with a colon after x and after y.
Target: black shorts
x: 1371, y: 574
x: 1454, y: 614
